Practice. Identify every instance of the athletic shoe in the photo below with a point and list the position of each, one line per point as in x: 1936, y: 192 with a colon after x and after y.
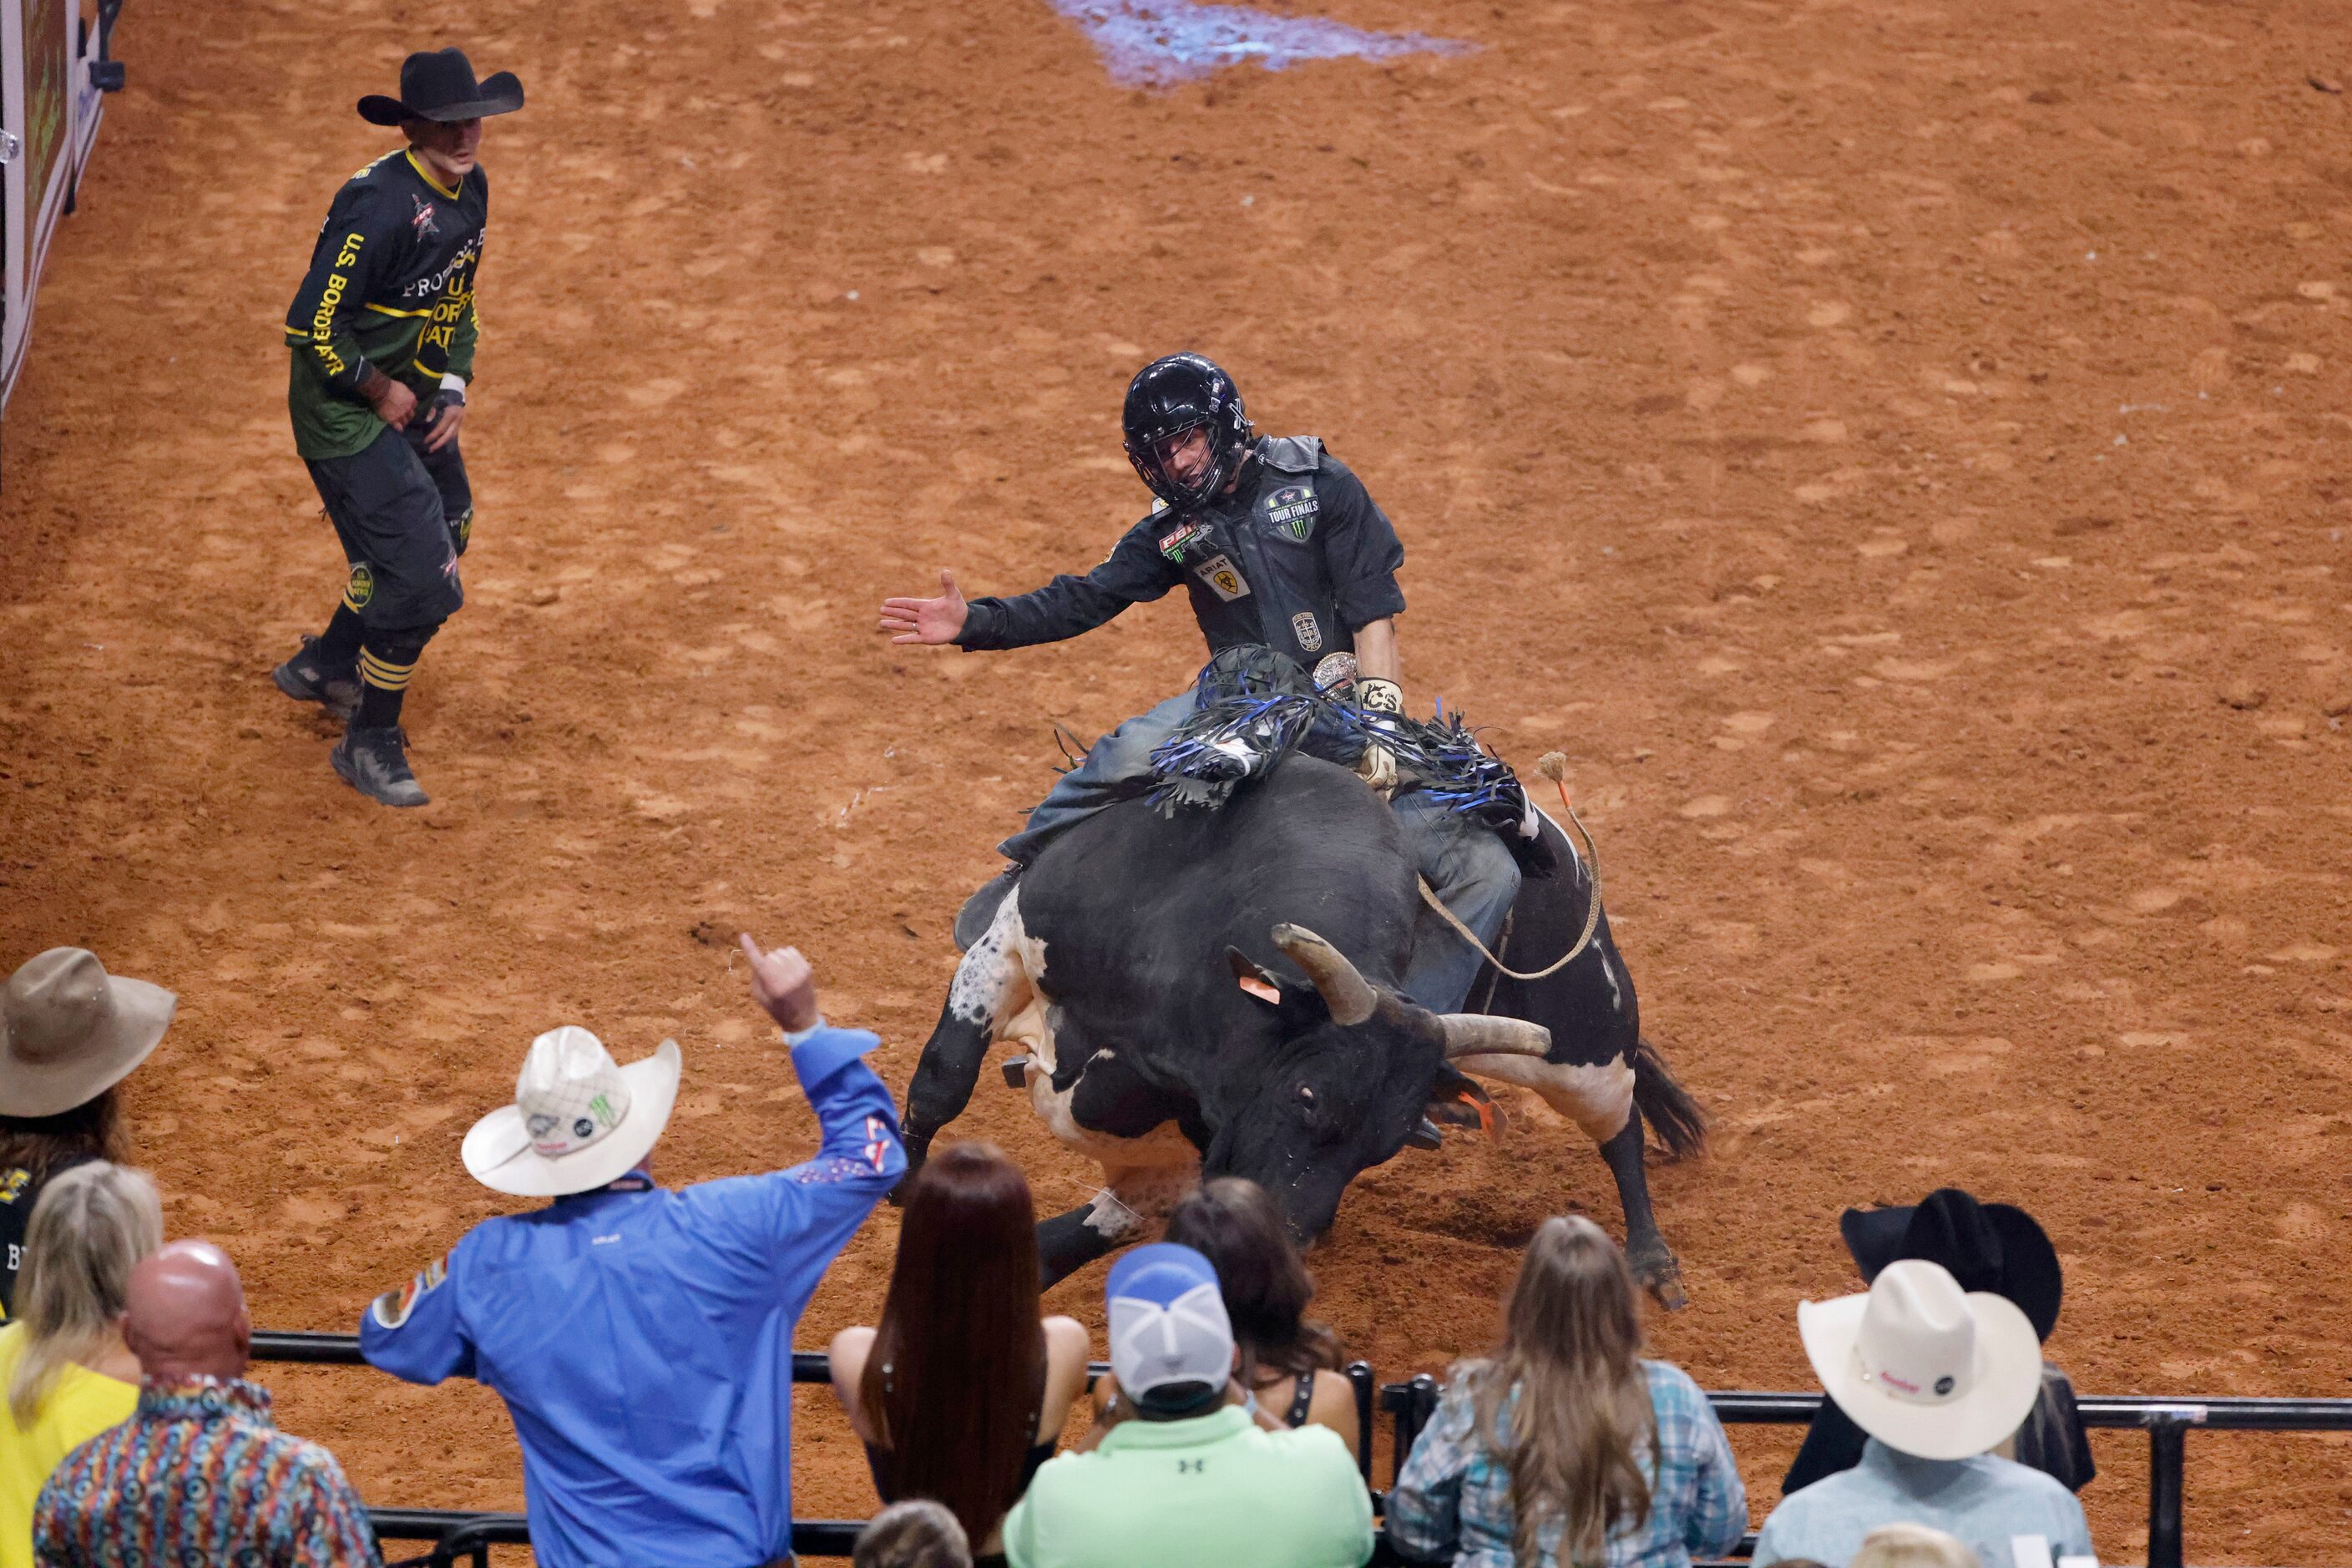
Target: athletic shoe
x: 375, y: 763
x: 306, y: 679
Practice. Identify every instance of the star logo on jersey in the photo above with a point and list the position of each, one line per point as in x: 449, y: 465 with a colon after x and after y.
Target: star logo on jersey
x: 422, y: 221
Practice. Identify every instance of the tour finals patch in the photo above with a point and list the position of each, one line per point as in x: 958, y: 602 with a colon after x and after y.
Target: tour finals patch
x: 1224, y: 578
x: 360, y: 588
x: 1309, y: 633
x: 1293, y: 510
x: 392, y: 1308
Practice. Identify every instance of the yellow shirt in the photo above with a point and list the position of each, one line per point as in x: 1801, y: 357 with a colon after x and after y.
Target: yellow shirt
x: 80, y: 1405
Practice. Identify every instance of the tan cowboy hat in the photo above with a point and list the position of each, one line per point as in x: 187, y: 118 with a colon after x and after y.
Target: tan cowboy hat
x: 578, y: 1121
x: 69, y: 1031
x: 1922, y: 1366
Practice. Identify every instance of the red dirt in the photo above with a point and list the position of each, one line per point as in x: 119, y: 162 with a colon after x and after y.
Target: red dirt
x: 1892, y: 448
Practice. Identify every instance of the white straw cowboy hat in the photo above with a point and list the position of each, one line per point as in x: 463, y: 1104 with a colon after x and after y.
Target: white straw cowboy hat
x: 577, y: 1121
x: 1923, y: 1367
x: 69, y: 1031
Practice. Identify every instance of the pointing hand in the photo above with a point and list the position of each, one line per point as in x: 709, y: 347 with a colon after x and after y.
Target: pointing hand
x: 783, y: 983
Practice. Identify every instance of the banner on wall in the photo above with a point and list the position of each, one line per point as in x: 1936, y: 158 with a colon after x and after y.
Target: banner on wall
x: 55, y: 73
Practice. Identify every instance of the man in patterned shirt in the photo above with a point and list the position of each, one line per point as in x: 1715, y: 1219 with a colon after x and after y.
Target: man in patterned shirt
x: 199, y: 1473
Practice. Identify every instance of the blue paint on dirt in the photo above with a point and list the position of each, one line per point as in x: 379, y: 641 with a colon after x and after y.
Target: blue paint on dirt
x: 1158, y: 43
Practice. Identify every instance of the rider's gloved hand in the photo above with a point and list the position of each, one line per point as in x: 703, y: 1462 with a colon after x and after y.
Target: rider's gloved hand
x: 1377, y: 767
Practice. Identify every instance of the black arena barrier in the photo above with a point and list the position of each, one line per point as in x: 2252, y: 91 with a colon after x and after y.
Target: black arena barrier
x: 468, y: 1537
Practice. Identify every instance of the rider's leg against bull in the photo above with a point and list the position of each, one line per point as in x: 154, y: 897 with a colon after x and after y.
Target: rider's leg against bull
x: 1475, y: 877
x: 1118, y: 766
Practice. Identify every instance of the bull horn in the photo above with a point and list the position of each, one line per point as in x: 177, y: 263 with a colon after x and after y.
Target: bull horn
x: 1349, y: 995
x: 1476, y: 1034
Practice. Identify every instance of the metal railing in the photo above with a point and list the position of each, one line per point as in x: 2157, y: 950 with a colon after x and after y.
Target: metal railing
x: 2166, y: 1421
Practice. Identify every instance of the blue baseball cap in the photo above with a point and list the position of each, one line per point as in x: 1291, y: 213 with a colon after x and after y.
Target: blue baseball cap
x: 1168, y: 1322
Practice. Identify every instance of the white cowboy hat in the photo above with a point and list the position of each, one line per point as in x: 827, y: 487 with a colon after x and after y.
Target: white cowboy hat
x: 1923, y: 1367
x: 69, y: 1031
x: 577, y: 1121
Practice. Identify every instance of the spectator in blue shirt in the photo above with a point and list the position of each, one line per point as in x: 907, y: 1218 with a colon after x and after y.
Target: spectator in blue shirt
x: 1567, y: 1446
x: 1935, y: 1377
x: 642, y: 1338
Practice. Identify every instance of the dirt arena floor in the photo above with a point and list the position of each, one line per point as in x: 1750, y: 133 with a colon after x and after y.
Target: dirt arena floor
x: 1894, y: 449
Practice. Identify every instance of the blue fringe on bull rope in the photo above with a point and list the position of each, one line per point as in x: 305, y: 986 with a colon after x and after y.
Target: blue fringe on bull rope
x: 1256, y: 707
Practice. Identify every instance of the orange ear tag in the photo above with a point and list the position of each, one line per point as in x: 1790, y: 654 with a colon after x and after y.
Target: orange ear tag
x: 1258, y: 988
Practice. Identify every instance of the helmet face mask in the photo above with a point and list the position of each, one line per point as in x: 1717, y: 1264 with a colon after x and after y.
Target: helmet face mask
x: 1169, y: 397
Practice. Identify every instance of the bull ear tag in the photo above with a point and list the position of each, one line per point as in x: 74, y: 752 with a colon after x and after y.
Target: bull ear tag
x: 1257, y: 982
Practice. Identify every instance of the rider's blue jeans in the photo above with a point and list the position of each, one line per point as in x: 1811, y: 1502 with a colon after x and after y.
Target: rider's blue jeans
x: 1464, y: 862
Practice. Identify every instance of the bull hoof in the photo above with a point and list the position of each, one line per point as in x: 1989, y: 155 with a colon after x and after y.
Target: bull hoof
x: 1659, y: 1275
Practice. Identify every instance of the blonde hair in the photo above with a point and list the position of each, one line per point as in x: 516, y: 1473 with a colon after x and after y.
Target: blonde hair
x: 91, y: 1226
x: 1911, y: 1546
x: 1564, y: 1402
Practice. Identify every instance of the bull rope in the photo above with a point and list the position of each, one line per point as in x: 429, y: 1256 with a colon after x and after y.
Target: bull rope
x: 1553, y: 766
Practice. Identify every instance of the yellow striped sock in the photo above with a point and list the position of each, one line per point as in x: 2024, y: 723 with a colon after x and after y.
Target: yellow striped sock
x: 383, y: 673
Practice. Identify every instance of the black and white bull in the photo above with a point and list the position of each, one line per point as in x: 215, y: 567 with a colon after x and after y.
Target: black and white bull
x: 1215, y: 993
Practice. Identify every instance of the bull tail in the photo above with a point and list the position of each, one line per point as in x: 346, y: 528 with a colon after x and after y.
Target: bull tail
x: 1677, y: 1119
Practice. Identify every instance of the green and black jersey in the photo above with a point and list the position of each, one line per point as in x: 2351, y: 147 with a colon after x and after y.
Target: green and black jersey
x: 391, y: 287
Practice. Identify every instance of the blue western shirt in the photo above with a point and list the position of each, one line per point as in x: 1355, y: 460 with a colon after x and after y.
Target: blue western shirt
x: 1984, y: 1502
x: 642, y: 1339
x: 1453, y: 1499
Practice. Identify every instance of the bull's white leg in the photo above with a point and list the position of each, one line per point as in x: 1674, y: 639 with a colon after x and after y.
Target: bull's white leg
x: 1598, y: 1099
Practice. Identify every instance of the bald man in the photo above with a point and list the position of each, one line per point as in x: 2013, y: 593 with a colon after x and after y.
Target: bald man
x: 153, y: 1490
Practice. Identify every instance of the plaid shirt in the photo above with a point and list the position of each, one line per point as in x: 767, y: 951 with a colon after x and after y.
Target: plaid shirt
x: 1453, y: 1499
x: 200, y: 1473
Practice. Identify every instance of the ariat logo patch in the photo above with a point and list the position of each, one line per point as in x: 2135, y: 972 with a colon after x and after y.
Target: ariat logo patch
x: 360, y: 588
x: 1293, y: 510
x: 392, y: 1309
x: 1310, y: 635
x: 1224, y: 578
x: 1173, y: 544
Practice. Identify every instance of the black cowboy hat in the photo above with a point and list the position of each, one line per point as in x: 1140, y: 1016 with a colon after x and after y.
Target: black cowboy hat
x: 438, y: 84
x: 1988, y: 1246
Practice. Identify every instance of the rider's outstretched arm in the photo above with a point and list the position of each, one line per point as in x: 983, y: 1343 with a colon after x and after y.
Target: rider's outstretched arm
x: 1135, y: 573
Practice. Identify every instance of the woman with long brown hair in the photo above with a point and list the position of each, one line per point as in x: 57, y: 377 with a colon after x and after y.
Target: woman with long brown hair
x: 958, y: 1393
x: 1567, y: 1446
x: 1290, y: 1365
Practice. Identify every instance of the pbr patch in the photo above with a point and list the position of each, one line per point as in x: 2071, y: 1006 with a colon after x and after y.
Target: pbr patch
x: 1224, y: 577
x: 360, y: 588
x: 879, y: 1144
x: 1173, y: 544
x: 392, y: 1309
x: 1309, y: 635
x: 1293, y: 510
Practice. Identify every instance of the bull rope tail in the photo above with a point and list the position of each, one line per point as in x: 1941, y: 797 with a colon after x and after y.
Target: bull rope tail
x: 1553, y: 766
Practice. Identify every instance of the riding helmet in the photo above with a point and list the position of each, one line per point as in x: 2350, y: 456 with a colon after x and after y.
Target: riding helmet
x: 1171, y: 395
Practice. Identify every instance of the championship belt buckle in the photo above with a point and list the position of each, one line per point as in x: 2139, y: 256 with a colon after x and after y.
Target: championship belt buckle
x: 1334, y: 672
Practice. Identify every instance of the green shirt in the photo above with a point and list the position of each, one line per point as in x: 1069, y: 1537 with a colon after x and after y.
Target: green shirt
x: 390, y: 288
x: 1218, y: 1490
